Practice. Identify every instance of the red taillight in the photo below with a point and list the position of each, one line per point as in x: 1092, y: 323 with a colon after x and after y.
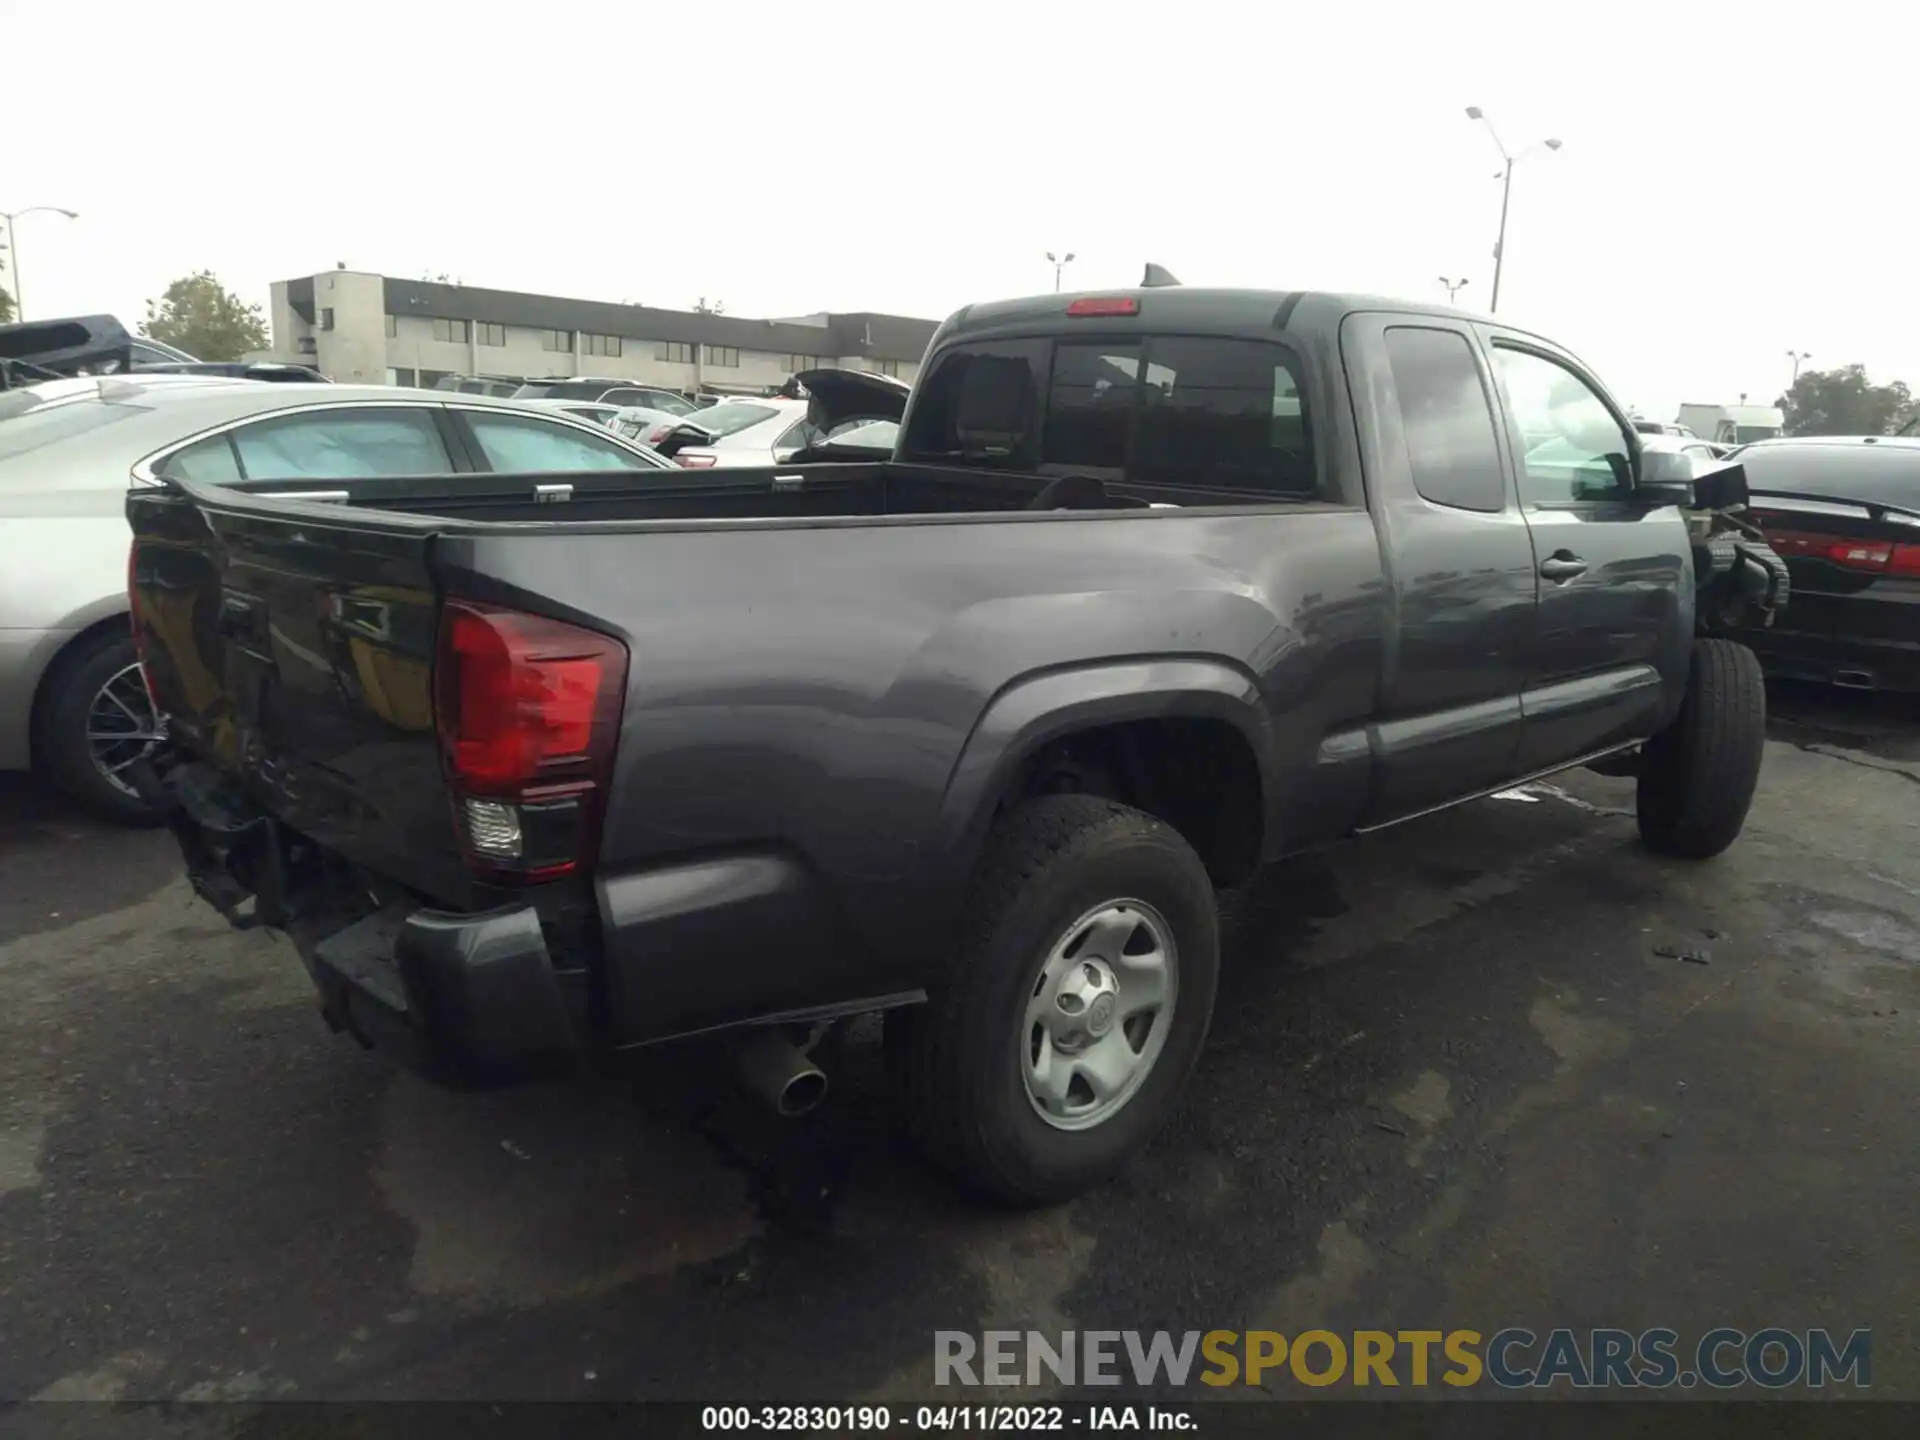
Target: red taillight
x: 527, y: 710
x: 660, y: 432
x: 1104, y: 305
x: 696, y: 462
x: 1874, y: 557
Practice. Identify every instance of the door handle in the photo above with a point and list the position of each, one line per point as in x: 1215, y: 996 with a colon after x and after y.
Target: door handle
x: 1562, y: 565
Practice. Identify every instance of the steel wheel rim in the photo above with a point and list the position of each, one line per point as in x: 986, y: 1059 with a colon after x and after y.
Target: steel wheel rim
x: 1098, y: 1015
x: 121, y: 726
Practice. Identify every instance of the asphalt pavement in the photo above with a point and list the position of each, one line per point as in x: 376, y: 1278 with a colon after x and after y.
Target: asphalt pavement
x: 1498, y: 1067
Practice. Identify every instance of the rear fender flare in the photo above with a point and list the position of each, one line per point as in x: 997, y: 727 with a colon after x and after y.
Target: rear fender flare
x: 1037, y: 709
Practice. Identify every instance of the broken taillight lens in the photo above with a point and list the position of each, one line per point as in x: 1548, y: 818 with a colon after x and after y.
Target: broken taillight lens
x: 528, y: 710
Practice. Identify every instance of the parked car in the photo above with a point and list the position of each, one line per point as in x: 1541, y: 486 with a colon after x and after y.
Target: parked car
x: 644, y: 426
x: 40, y: 350
x: 1159, y: 585
x: 607, y: 392
x: 1844, y: 512
x: 777, y: 430
x: 71, y: 701
x: 478, y: 385
x: 592, y: 410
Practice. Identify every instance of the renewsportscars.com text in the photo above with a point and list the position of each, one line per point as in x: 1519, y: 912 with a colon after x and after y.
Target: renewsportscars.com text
x: 1512, y: 1359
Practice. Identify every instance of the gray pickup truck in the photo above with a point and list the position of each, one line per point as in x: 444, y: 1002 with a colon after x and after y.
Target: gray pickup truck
x: 1158, y: 586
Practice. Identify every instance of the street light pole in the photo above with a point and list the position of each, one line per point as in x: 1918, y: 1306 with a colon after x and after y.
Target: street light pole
x: 1454, y: 287
x: 13, y: 250
x: 1797, y: 356
x: 1059, y: 263
x: 1505, y: 177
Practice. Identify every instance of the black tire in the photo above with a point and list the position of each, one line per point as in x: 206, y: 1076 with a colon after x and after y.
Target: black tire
x: 1697, y: 776
x: 61, y: 749
x: 956, y: 1061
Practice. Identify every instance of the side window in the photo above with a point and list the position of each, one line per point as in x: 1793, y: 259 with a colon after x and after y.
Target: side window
x: 1223, y: 415
x: 341, y: 444
x: 1446, y: 419
x: 518, y: 444
x: 206, y: 462
x: 796, y: 437
x: 1573, y: 450
x: 1090, y: 403
x: 979, y: 406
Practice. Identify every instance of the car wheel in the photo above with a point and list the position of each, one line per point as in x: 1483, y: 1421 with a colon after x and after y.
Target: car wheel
x: 1697, y: 776
x: 95, y: 720
x: 1077, y: 1006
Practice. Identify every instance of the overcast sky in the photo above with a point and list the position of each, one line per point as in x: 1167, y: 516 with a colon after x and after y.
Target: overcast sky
x: 1735, y: 181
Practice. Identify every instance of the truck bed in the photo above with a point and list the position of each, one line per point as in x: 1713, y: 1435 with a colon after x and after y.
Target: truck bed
x: 868, y: 491
x: 828, y: 674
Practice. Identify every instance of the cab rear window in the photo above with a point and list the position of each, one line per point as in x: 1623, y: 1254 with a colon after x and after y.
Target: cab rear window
x: 1225, y: 417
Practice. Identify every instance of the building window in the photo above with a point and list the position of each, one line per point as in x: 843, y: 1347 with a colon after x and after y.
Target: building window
x: 887, y: 367
x: 454, y: 331
x: 492, y: 334
x: 393, y: 327
x: 428, y: 379
x: 726, y: 357
x: 674, y: 352
x: 400, y: 377
x: 602, y: 345
x: 797, y: 363
x: 557, y: 340
x: 326, y: 318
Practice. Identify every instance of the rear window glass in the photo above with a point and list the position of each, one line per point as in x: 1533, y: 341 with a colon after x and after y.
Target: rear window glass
x: 723, y: 420
x: 979, y: 406
x: 1446, y: 419
x: 1182, y: 412
x: 1090, y: 406
x: 1223, y: 415
x: 1888, y: 474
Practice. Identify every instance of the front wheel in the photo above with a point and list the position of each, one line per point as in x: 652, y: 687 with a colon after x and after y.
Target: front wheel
x: 1077, y: 1006
x: 1697, y: 777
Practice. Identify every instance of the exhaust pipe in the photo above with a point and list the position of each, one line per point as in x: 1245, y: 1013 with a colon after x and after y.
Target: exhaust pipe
x: 778, y: 1071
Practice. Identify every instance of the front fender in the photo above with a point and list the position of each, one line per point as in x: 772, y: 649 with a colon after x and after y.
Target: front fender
x: 1039, y: 708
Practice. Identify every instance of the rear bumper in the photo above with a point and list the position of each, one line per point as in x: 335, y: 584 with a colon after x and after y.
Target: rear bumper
x: 469, y: 1000
x: 1835, y: 660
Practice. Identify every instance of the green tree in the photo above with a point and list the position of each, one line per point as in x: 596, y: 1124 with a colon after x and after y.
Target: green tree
x: 204, y: 318
x: 6, y: 306
x: 1844, y: 402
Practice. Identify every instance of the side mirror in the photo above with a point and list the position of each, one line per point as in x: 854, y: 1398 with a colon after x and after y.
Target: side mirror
x: 1665, y: 477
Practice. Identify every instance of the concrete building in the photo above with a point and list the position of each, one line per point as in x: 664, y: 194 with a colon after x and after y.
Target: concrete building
x: 366, y: 329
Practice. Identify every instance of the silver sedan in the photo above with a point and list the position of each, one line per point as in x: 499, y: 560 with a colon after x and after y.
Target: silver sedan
x: 72, y: 702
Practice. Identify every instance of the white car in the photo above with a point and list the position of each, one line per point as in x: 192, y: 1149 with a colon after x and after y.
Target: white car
x: 644, y: 426
x: 774, y: 430
x: 72, y: 701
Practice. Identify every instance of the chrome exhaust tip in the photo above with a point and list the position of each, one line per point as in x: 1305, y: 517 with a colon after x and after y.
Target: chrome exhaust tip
x: 778, y: 1072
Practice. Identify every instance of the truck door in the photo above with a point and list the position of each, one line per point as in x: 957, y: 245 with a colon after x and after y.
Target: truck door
x: 1458, y: 557
x: 1615, y: 621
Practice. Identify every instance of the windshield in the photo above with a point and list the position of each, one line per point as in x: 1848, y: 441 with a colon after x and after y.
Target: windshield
x: 724, y: 419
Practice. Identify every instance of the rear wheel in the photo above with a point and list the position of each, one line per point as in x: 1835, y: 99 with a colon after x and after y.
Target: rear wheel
x: 1077, y: 1008
x: 1697, y: 777
x: 95, y: 720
